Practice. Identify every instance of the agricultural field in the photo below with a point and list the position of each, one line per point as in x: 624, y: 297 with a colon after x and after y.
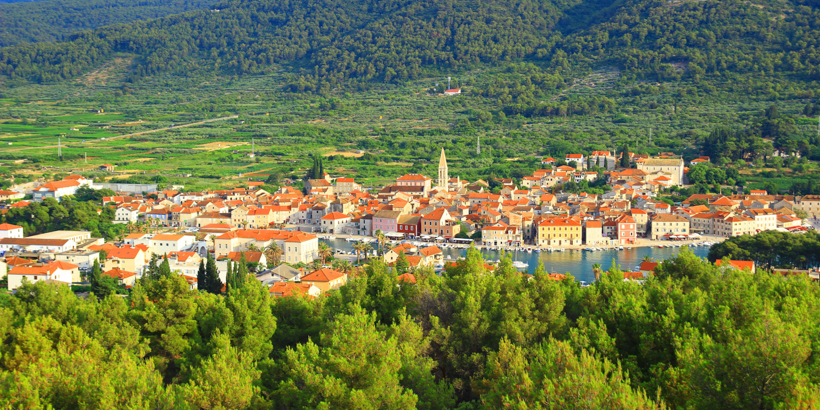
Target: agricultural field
x: 374, y: 135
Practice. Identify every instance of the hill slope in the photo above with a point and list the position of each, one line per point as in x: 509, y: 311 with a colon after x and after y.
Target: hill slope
x: 54, y: 20
x: 328, y: 44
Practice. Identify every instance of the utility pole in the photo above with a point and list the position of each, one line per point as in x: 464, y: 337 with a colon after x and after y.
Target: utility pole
x: 818, y: 125
x: 650, y: 135
x: 85, y: 157
x: 448, y: 83
x: 59, y: 148
x: 478, y: 145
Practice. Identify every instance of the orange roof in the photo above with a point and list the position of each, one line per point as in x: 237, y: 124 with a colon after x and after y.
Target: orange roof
x: 118, y: 273
x: 284, y: 289
x: 167, y: 237
x: 742, y: 265
x: 413, y: 177
x: 649, y: 266
x: 335, y: 216
x: 9, y: 227
x: 407, y: 278
x: 633, y: 275
x: 322, y: 275
x: 430, y: 250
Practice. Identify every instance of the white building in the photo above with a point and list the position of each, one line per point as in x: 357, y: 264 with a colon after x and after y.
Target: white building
x: 59, y: 272
x: 10, y: 231
x: 166, y: 243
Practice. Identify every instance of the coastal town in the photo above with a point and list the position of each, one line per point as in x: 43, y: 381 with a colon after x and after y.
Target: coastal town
x: 282, y: 236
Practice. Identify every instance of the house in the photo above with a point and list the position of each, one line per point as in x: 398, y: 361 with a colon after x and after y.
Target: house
x: 386, y: 221
x: 325, y: 279
x: 439, y: 223
x: 420, y: 182
x: 648, y: 268
x: 57, y: 272
x: 593, y: 233
x: 127, y: 258
x: 6, y: 196
x: 56, y: 190
x: 627, y: 230
x: 452, y: 91
x: 251, y: 257
x: 297, y: 246
x: 393, y: 254
x: 346, y: 185
x: 671, y: 168
x: 559, y: 231
x: 186, y: 263
x: 549, y: 161
x: 166, y: 243
x: 161, y: 215
x: 501, y: 235
x: 765, y: 219
x: 32, y: 244
x: 810, y: 204
x: 10, y: 231
x: 409, y: 225
x: 127, y: 213
x: 84, y: 258
x: 667, y: 225
x: 334, y: 222
x: 577, y: 158
x: 285, y: 289
x: 107, y: 167
x: 284, y: 273
x: 122, y: 277
x: 740, y: 265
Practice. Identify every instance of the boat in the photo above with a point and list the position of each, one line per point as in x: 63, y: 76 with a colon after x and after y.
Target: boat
x: 537, y: 250
x: 529, y: 250
x: 520, y: 265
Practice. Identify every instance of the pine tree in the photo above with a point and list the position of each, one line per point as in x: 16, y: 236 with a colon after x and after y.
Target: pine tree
x: 625, y: 157
x: 402, y: 265
x: 202, y: 277
x: 95, y: 278
x: 164, y: 268
x: 229, y: 278
x: 212, y: 282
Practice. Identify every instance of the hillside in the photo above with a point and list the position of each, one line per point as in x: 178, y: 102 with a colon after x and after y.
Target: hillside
x: 55, y: 20
x: 330, y: 44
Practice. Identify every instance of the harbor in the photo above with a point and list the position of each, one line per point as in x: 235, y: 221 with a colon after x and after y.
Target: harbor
x: 576, y: 261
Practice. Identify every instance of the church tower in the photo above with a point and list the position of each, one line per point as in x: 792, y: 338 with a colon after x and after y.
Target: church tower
x: 443, y: 175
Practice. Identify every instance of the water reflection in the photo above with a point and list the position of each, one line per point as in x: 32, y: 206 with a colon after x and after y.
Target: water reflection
x: 578, y: 263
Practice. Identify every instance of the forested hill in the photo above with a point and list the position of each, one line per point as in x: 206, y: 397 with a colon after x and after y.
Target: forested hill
x: 330, y: 44
x: 53, y: 20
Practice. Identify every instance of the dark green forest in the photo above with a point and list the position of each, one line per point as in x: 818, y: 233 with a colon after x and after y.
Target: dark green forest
x: 328, y: 44
x: 55, y: 20
x: 694, y: 336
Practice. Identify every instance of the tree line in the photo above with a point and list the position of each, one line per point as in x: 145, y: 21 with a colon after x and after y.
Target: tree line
x: 693, y: 336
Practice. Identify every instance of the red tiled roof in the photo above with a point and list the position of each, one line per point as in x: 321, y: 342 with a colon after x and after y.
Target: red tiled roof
x: 322, y: 275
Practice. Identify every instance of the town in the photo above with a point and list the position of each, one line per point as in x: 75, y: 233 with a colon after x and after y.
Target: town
x: 281, y: 236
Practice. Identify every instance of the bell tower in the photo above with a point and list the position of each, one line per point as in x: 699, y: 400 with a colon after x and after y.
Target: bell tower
x: 443, y: 174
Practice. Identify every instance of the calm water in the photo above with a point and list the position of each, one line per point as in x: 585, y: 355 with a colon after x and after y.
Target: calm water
x: 579, y: 263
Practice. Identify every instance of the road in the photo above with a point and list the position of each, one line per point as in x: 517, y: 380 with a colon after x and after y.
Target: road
x: 135, y: 133
x: 171, y: 128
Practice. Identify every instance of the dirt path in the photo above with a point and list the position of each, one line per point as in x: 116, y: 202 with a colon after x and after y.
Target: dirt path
x: 137, y: 133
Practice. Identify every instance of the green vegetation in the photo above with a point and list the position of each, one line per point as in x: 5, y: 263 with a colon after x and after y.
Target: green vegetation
x: 68, y: 214
x: 772, y: 249
x: 54, y: 20
x: 359, y: 84
x: 694, y: 336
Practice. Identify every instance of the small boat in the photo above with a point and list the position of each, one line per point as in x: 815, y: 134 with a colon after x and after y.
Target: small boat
x: 529, y: 250
x: 537, y: 250
x: 520, y: 265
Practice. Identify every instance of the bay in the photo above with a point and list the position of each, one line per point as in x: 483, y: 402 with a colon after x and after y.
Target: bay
x: 578, y: 263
